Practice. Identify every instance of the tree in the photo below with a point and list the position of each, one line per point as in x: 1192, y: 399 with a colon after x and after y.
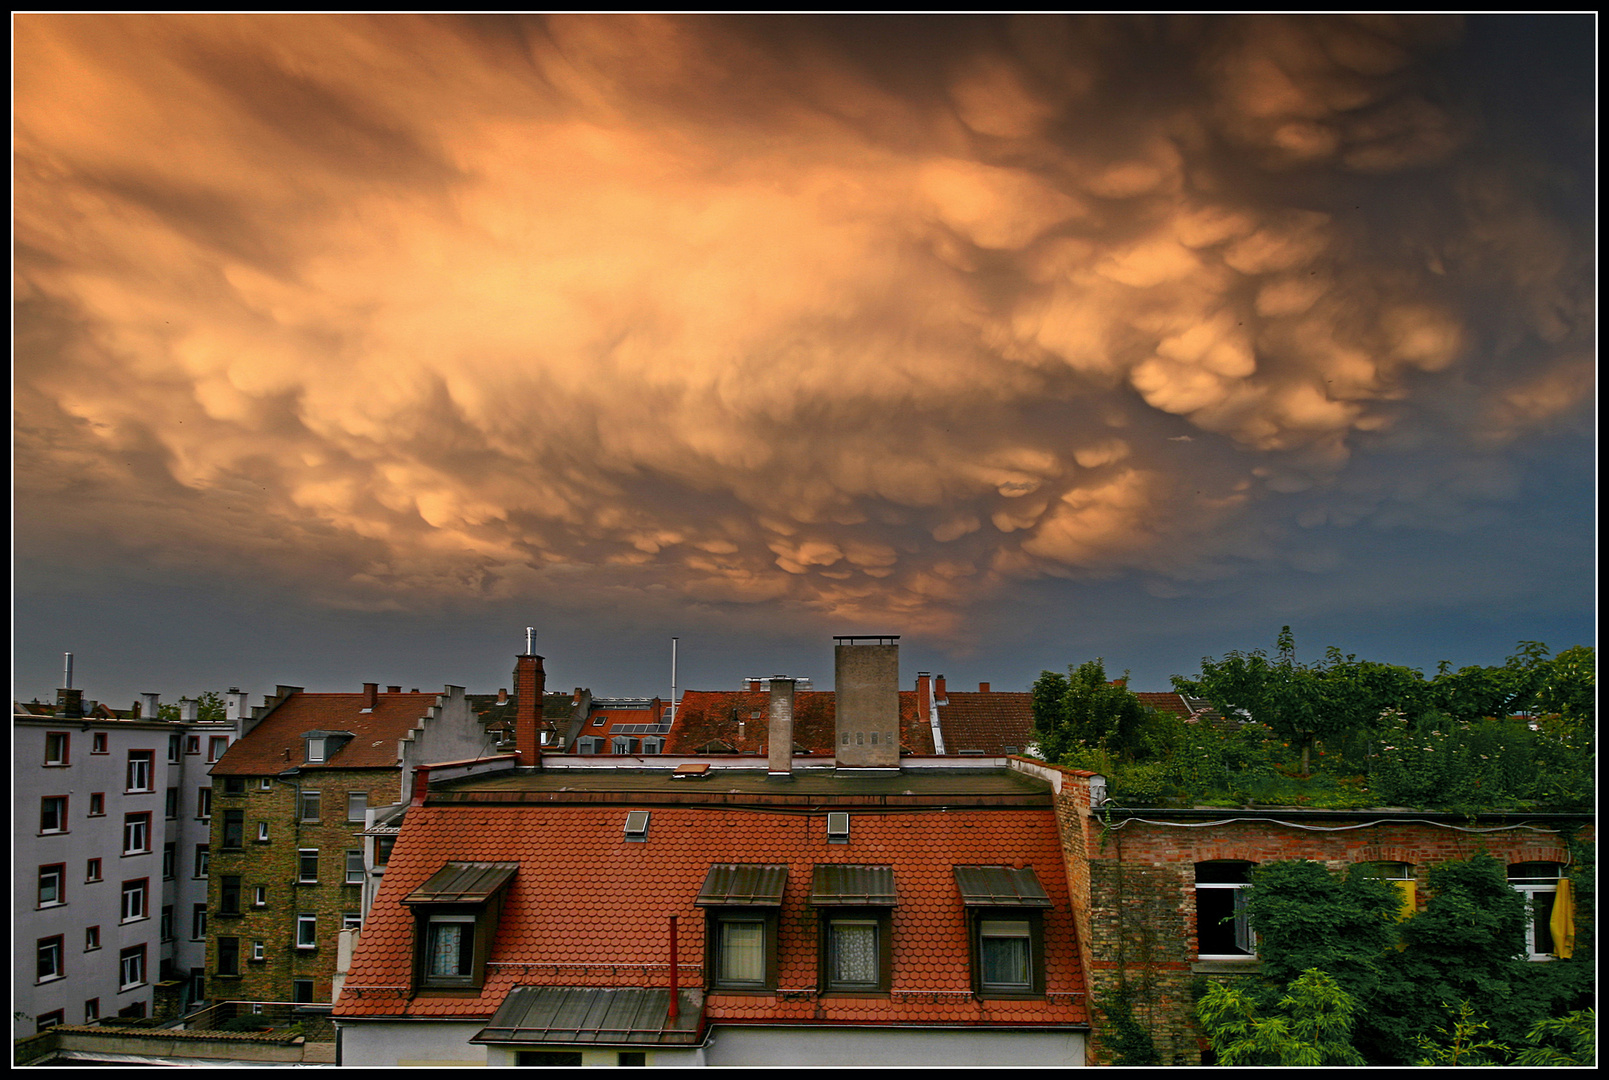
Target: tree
x: 1315, y: 1030
x: 1307, y: 917
x: 211, y: 708
x: 1576, y: 1031
x: 1457, y: 1044
x: 1083, y: 709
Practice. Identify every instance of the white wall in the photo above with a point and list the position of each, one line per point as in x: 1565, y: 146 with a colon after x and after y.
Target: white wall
x: 389, y: 1044
x: 872, y: 1047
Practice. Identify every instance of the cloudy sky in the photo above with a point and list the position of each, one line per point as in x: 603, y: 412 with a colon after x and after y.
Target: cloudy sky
x: 346, y: 348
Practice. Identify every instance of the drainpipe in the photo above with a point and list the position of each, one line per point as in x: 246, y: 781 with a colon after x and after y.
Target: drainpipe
x: 675, y: 1009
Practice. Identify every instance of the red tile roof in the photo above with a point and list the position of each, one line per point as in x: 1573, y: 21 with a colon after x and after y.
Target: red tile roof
x: 1165, y: 702
x: 707, y: 716
x: 275, y: 744
x: 989, y: 722
x: 588, y: 908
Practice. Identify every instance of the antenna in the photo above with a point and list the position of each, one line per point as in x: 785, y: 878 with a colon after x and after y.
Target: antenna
x: 530, y: 641
x: 673, y: 676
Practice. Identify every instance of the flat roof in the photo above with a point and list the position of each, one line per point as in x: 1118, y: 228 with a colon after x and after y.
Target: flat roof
x: 999, y: 786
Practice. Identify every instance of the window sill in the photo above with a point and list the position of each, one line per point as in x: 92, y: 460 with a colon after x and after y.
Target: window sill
x: 227, y: 914
x: 307, y: 948
x: 49, y: 979
x: 130, y: 986
x: 131, y: 854
x: 57, y: 765
x: 63, y: 903
x: 92, y: 948
x: 101, y: 814
x: 1227, y: 965
x: 140, y: 918
x: 225, y: 975
x: 55, y: 832
x: 747, y: 991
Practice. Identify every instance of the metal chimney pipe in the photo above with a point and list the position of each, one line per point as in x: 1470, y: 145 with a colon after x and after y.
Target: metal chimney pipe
x: 675, y: 1010
x: 67, y: 672
x: 673, y: 678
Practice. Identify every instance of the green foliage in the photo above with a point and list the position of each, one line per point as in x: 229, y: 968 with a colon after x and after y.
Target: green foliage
x: 1307, y: 917
x: 211, y: 708
x: 1481, y: 764
x: 1562, y: 1040
x: 1084, y: 710
x: 1457, y: 1042
x: 1127, y: 1039
x: 1315, y: 1029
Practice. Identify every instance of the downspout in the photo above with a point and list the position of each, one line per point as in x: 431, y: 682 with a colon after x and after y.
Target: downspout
x: 675, y: 1008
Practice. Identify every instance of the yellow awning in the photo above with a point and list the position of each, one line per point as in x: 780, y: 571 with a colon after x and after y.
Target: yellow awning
x: 1563, y: 921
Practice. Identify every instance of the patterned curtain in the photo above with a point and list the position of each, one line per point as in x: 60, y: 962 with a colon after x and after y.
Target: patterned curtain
x: 446, y: 945
x: 854, y: 953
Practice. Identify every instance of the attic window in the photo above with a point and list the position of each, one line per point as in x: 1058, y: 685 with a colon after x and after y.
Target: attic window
x: 637, y: 826
x: 315, y: 750
x: 837, y: 828
x: 1005, y: 929
x: 455, y: 916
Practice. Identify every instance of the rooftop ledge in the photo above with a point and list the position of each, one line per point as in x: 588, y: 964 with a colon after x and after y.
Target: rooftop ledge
x: 973, y: 786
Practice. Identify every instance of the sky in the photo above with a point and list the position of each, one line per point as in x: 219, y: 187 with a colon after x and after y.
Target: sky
x: 345, y: 348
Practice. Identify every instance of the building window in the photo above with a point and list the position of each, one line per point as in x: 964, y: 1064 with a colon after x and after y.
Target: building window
x: 234, y: 828
x: 170, y: 860
x: 53, y: 814
x: 854, y: 906
x: 1005, y: 917
x: 853, y: 955
x: 307, y: 865
x: 262, y: 832
x: 192, y: 744
x: 229, y: 956
x: 234, y: 785
x: 357, y: 802
x: 141, y: 770
x: 92, y: 1010
x: 265, y: 784
x: 173, y: 747
x: 50, y: 959
x: 201, y: 860
x: 1538, y: 882
x: 302, y: 991
x: 97, y: 743
x: 354, y: 867
x: 315, y: 751
x: 548, y: 1058
x: 131, y: 967
x: 309, y: 806
x: 92, y: 938
x: 165, y: 923
x: 382, y: 849
x: 455, y: 917
x: 306, y: 931
x: 1223, y: 931
x: 136, y: 834
x: 351, y: 920
x: 198, y: 922
x: 257, y: 950
x: 97, y: 804
x: 204, y: 803
x: 56, y: 746
x: 741, y: 902
x: 92, y: 870
x: 229, y: 894
x: 48, y: 1020
x: 1004, y: 951
x: 52, y: 885
x: 1400, y: 874
x: 741, y: 952
x: 216, y: 745
x: 170, y: 804
x: 134, y: 894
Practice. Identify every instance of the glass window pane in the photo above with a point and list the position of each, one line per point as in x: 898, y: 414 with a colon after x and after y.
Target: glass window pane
x: 1004, y: 948
x: 742, y: 952
x: 853, y: 953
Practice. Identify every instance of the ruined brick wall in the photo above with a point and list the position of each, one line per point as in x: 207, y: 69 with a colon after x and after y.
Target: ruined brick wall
x: 1142, y: 921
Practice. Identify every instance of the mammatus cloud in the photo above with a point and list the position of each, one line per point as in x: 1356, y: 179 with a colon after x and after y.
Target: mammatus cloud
x: 746, y: 311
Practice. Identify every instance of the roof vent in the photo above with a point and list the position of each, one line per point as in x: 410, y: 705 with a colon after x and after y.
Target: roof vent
x: 838, y: 827
x: 637, y: 825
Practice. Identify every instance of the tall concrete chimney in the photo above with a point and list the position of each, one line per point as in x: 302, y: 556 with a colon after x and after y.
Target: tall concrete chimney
x: 234, y: 705
x: 867, y: 686
x: 779, y: 735
x: 148, y: 705
x: 529, y: 682
x: 189, y: 710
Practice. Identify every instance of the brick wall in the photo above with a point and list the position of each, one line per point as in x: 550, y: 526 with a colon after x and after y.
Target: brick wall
x: 275, y: 863
x: 1141, y: 888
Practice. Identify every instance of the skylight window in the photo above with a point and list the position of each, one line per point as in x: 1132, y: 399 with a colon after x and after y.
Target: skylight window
x: 838, y: 828
x: 637, y: 825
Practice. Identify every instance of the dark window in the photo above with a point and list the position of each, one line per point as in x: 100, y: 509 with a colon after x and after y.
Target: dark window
x: 234, y: 828
x: 201, y: 860
x: 307, y: 865
x: 170, y: 804
x: 131, y: 969
x: 309, y: 806
x: 92, y: 938
x: 92, y: 870
x: 1222, y: 927
x: 166, y: 922
x: 170, y: 860
x: 141, y: 770
x: 229, y: 956
x: 216, y: 745
x: 50, y: 959
x: 302, y: 991
x: 633, y: 1057
x: 382, y: 849
x: 56, y: 744
x: 53, y: 814
x: 229, y: 894
x: 52, y: 884
x: 558, y: 1058
x: 97, y: 804
x: 134, y: 893
x: 234, y: 785
x: 198, y: 922
x: 49, y: 1020
x: 97, y: 743
x: 92, y: 1010
x: 204, y: 803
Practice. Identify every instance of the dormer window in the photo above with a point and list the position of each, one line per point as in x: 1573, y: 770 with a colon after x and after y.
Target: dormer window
x: 1005, y: 920
x: 455, y: 920
x: 742, y: 903
x: 315, y: 750
x: 854, y: 908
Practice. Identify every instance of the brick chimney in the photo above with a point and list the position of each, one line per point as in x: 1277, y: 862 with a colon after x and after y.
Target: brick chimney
x: 502, y: 695
x: 779, y: 733
x: 69, y: 703
x: 529, y: 682
x: 371, y: 694
x: 393, y: 689
x: 983, y: 688
x: 939, y: 693
x: 924, y: 693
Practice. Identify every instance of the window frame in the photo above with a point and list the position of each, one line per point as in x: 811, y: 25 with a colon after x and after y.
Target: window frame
x: 98, y: 743
x: 170, y: 860
x: 309, y: 799
x: 59, y: 806
x: 134, y: 900
x: 881, y: 919
x: 307, y: 930
x: 170, y: 805
x: 233, y: 835
x: 306, y: 857
x: 204, y: 803
x: 62, y: 741
x: 93, y: 870
x: 259, y: 896
x: 92, y: 1010
x: 359, y: 799
x: 718, y: 918
x: 56, y: 873
x: 1034, y: 917
x: 482, y: 918
x: 198, y: 922
x: 132, y: 778
x: 192, y: 744
x: 92, y: 938
x: 1241, y: 928
x: 136, y: 954
x: 360, y: 871
x: 203, y: 861
x: 214, y: 751
x: 228, y: 894
x: 53, y: 948
x: 165, y: 923
x: 97, y: 804
x: 229, y: 956
x: 1537, y: 923
x: 137, y: 833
